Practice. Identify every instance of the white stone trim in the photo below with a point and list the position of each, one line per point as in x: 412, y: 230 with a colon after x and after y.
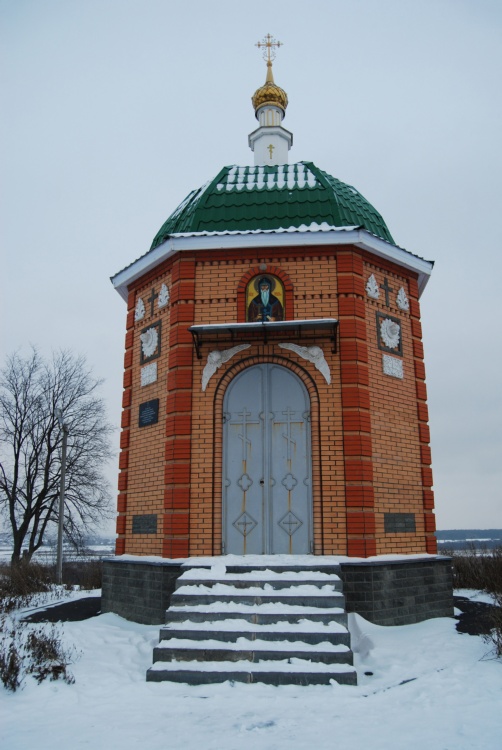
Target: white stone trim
x: 402, y: 300
x: 372, y: 289
x: 139, y: 312
x: 149, y: 341
x: 216, y: 359
x: 313, y: 354
x: 390, y: 333
x: 270, y: 239
x: 392, y: 366
x: 149, y: 374
x: 164, y: 296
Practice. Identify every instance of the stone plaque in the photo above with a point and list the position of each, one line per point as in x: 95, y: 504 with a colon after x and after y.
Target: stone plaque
x: 144, y: 524
x: 392, y: 366
x: 149, y: 374
x: 399, y: 523
x: 148, y: 413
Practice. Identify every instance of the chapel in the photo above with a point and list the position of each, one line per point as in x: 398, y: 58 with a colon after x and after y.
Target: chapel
x: 274, y: 396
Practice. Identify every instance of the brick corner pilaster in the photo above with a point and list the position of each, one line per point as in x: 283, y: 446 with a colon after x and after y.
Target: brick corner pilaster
x: 355, y: 396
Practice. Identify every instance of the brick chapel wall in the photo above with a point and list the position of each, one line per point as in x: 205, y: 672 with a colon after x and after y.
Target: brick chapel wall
x: 172, y: 469
x: 313, y: 278
x: 401, y: 457
x: 141, y: 462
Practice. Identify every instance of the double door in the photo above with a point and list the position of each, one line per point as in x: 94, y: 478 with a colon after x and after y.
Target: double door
x: 266, y: 463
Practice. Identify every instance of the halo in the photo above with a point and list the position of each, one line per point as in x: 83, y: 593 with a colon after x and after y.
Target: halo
x: 272, y: 282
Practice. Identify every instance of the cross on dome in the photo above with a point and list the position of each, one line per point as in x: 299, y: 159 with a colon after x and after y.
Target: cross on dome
x: 270, y: 142
x: 268, y: 43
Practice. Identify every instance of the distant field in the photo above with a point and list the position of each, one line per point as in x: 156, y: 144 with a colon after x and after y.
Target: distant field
x: 448, y: 539
x: 462, y: 539
x: 47, y: 555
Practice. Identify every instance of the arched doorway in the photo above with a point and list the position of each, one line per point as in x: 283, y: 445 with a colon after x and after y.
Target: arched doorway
x: 267, y: 497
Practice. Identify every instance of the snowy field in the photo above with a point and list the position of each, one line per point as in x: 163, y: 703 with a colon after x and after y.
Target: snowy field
x: 47, y: 555
x: 430, y: 688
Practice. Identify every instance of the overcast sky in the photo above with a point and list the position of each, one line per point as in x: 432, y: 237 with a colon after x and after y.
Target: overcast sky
x: 113, y: 110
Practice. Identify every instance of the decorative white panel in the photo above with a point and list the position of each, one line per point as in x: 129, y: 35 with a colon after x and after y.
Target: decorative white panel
x: 139, y: 312
x: 163, y: 296
x: 372, y: 289
x: 216, y: 359
x: 402, y: 300
x: 392, y: 366
x: 313, y: 354
x: 149, y: 374
x: 149, y: 341
x: 390, y: 332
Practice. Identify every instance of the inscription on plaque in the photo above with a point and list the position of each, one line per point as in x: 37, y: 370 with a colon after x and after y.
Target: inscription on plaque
x: 399, y: 523
x: 144, y: 524
x: 148, y: 413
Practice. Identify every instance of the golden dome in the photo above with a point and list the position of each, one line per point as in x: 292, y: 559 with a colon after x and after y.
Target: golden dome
x: 269, y: 93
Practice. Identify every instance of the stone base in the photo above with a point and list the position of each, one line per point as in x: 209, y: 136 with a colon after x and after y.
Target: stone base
x: 138, y: 590
x: 399, y: 592
x: 386, y: 592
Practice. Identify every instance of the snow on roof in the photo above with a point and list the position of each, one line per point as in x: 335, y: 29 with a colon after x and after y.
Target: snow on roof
x: 313, y: 227
x: 287, y: 176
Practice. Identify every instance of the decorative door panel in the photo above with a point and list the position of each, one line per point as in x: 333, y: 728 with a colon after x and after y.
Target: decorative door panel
x: 266, y: 464
x: 243, y: 463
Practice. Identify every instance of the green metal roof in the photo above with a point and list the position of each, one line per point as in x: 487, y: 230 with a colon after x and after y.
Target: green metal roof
x: 243, y: 199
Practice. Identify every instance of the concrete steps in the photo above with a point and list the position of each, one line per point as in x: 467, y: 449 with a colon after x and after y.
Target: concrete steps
x: 280, y: 624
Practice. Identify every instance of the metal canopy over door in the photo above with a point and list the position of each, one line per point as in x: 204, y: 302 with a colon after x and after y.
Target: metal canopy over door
x: 266, y: 463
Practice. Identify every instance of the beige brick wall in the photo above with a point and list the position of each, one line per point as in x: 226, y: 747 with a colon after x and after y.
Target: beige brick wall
x: 368, y: 429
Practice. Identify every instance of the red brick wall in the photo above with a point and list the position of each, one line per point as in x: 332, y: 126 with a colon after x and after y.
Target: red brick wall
x: 370, y: 451
x: 356, y: 407
x: 397, y: 416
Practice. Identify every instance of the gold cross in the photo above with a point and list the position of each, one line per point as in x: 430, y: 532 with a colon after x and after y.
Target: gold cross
x: 268, y: 43
x: 270, y: 149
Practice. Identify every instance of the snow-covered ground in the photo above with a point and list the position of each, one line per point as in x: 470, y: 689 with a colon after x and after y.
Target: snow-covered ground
x: 429, y: 687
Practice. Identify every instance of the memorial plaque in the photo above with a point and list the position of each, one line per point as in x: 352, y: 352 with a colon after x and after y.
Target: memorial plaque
x: 148, y: 412
x: 399, y: 523
x: 144, y: 524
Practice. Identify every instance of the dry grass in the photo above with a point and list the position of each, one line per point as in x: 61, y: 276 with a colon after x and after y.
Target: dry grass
x: 477, y: 568
x: 39, y: 651
x: 20, y: 583
x: 480, y: 568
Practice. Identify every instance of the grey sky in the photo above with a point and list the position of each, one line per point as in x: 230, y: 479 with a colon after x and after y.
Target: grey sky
x: 113, y: 110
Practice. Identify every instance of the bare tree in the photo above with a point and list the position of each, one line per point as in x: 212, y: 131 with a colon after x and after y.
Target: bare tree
x: 31, y: 390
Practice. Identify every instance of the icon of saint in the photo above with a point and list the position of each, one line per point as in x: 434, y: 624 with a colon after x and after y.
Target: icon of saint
x: 265, y: 307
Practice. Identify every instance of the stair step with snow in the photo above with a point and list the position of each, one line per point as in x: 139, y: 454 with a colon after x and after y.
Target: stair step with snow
x: 291, y: 672
x: 281, y: 568
x: 253, y: 651
x: 295, y: 595
x: 275, y: 580
x: 259, y: 614
x: 247, y: 622
x: 231, y: 630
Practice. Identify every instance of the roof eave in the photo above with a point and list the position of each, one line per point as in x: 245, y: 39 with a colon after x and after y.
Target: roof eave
x: 272, y: 238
